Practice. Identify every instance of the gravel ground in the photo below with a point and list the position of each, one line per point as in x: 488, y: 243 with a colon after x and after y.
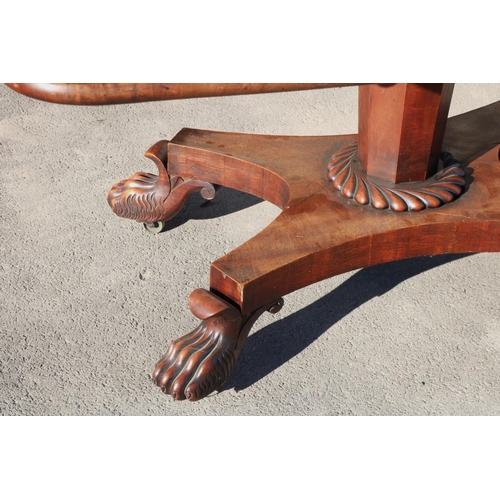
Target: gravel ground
x: 89, y: 301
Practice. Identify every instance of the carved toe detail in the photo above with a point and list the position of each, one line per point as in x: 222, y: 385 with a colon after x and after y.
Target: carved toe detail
x: 197, y: 364
x: 147, y: 197
x: 201, y: 361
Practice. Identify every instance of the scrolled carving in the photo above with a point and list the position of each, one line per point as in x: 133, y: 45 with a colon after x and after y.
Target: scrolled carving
x: 352, y: 183
x: 147, y: 197
x: 201, y: 361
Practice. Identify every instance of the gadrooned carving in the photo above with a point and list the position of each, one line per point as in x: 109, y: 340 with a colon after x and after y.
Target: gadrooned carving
x: 147, y: 197
x: 444, y: 187
x: 201, y: 361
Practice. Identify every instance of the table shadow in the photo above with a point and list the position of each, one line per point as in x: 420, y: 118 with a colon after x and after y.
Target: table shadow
x: 274, y: 345
x: 472, y: 134
x: 226, y: 201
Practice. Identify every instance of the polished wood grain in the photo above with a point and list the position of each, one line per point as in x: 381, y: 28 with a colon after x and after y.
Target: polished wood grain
x: 401, y: 129
x: 201, y: 361
x: 149, y: 198
x: 122, y: 93
x: 347, y: 176
x: 320, y: 233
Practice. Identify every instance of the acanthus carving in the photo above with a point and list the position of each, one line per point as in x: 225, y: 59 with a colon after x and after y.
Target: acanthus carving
x: 444, y: 187
x: 147, y: 197
x: 201, y: 361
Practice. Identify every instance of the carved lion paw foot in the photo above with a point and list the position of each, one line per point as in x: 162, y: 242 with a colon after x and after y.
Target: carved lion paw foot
x: 201, y: 361
x: 196, y: 365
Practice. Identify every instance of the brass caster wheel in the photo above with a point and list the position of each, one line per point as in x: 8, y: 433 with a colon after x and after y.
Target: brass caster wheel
x: 155, y: 227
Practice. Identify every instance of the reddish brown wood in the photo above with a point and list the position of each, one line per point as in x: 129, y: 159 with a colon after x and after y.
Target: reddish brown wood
x: 353, y: 183
x: 401, y: 129
x: 121, y: 93
x: 201, y: 361
x: 320, y: 233
x: 150, y: 198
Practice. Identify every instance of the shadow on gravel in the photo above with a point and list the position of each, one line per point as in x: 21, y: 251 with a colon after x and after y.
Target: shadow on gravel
x: 472, y: 134
x: 277, y: 343
x: 226, y: 201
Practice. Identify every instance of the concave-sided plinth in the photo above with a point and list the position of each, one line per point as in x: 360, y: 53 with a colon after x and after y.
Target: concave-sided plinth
x: 319, y: 233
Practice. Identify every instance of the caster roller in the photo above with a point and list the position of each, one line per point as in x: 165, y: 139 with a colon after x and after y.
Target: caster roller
x: 155, y: 227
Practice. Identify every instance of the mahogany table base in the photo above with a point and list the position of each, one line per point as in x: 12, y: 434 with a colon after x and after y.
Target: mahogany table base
x: 322, y: 231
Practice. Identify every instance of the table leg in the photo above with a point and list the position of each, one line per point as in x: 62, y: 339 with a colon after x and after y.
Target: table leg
x: 320, y: 233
